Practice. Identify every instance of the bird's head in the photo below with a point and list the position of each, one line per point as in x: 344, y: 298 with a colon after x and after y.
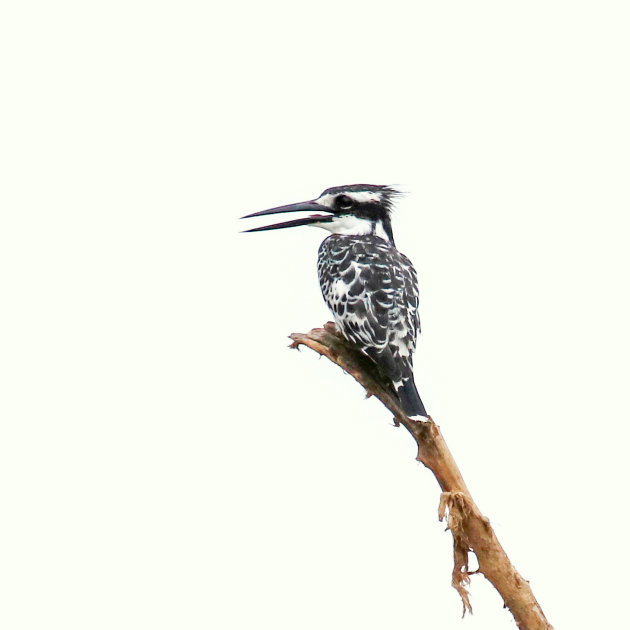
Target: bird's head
x: 359, y: 209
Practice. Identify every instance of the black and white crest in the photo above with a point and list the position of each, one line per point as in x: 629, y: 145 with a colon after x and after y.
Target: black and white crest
x: 370, y: 287
x: 370, y: 207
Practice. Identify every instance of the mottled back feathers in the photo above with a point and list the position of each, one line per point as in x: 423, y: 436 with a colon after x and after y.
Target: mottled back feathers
x: 372, y: 290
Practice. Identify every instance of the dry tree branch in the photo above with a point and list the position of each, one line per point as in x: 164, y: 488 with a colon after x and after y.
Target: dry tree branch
x: 470, y: 529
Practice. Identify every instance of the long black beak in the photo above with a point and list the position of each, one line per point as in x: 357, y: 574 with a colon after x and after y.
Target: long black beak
x: 304, y: 206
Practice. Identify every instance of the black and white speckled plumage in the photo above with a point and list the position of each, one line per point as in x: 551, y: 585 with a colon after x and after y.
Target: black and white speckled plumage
x: 368, y: 284
x: 372, y: 291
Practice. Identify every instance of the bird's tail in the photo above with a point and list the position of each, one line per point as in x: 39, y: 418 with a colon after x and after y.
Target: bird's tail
x: 410, y: 399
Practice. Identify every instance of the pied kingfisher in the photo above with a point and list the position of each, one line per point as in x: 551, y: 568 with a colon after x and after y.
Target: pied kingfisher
x: 370, y: 287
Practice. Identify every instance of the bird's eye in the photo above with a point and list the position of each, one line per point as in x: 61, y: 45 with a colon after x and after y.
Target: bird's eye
x: 344, y: 202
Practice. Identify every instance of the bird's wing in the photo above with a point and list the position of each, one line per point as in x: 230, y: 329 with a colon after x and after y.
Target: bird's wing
x: 373, y: 292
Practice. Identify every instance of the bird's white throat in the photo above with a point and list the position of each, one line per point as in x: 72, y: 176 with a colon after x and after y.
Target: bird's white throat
x: 354, y: 226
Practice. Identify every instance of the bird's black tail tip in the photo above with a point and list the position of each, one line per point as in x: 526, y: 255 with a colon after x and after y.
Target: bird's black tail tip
x: 410, y: 399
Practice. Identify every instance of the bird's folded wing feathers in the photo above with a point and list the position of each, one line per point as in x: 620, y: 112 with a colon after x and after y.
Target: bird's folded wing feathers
x: 381, y: 311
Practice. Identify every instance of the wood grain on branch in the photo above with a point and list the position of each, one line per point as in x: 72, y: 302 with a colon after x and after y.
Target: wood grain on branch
x: 470, y: 529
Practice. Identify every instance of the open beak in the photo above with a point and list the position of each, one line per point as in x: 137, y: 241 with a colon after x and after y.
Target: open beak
x: 321, y: 214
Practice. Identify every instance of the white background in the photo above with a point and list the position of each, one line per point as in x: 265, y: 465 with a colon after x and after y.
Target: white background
x: 165, y: 460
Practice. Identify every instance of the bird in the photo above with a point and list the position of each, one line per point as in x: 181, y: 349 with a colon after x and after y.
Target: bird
x: 370, y: 287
